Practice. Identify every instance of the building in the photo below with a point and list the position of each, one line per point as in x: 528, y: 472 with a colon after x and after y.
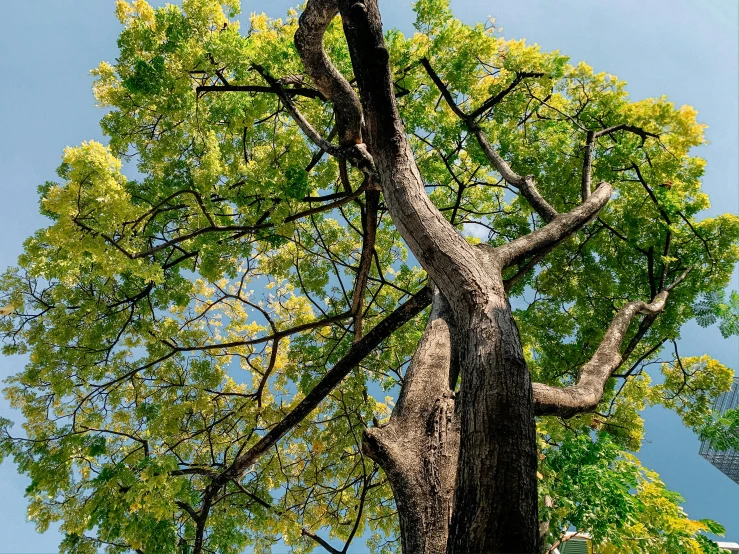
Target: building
x: 727, y: 461
x: 575, y: 543
x: 580, y: 543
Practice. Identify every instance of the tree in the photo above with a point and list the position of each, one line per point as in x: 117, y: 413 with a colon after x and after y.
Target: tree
x: 206, y: 341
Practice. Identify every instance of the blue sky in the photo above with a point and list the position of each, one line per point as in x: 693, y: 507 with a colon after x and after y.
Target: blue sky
x: 684, y: 49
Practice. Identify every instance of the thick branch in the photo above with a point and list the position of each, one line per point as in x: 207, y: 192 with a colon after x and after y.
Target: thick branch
x: 312, y: 25
x: 588, y: 391
x: 419, y: 447
x: 438, y: 246
x: 560, y: 228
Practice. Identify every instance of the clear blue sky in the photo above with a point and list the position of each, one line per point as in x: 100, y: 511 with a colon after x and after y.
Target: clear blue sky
x: 684, y: 49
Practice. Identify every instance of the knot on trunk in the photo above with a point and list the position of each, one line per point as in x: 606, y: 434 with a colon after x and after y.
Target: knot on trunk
x: 376, y: 445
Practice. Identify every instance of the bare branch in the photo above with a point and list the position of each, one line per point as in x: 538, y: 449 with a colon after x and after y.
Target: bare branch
x: 297, y: 91
x: 588, y: 391
x: 492, y: 101
x: 308, y: 533
x: 365, y: 262
x: 561, y: 227
x: 525, y: 184
x: 587, y: 166
x: 303, y: 123
x: 359, y: 350
x: 624, y: 127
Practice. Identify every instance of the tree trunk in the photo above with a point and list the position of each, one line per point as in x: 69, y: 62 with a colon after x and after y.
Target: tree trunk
x: 488, y: 431
x: 495, y: 499
x: 496, y: 506
x: 491, y: 425
x: 419, y: 447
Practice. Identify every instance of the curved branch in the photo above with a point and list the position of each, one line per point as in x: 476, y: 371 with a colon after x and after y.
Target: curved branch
x: 312, y: 25
x: 587, y: 392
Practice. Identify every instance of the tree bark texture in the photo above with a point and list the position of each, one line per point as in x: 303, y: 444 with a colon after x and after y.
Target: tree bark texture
x: 418, y: 449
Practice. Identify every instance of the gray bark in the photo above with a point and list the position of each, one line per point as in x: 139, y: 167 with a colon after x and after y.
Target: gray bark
x: 418, y: 448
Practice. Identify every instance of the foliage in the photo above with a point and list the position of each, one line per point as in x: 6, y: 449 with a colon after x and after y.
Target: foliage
x: 171, y: 320
x: 714, y: 306
x: 625, y: 507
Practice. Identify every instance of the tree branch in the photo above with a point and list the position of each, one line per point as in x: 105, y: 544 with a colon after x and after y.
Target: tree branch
x: 335, y: 375
x: 297, y: 91
x: 365, y: 261
x: 303, y: 123
x: 561, y: 227
x: 312, y: 25
x: 588, y: 391
x: 525, y: 185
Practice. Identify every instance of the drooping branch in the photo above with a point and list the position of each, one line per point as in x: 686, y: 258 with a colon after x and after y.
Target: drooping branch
x: 588, y: 391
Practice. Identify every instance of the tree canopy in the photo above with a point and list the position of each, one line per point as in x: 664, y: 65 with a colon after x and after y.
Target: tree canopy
x: 222, y: 305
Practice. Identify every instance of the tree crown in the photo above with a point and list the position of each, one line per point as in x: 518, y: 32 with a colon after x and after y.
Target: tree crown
x: 177, y: 318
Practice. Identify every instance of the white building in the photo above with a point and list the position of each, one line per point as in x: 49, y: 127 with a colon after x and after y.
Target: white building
x: 579, y: 543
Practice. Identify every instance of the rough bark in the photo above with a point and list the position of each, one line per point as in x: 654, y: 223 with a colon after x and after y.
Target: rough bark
x: 495, y: 503
x: 418, y: 448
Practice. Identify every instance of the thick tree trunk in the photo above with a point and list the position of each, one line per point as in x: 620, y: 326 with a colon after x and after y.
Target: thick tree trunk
x: 418, y: 449
x: 490, y: 505
x: 490, y: 487
x: 496, y: 507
